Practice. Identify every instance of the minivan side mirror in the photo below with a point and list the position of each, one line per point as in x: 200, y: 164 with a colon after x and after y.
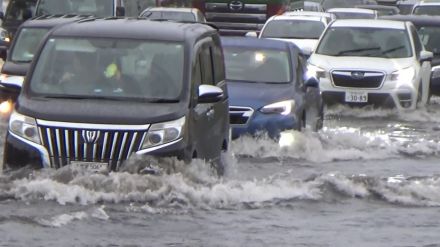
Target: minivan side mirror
x: 311, y: 82
x: 120, y: 11
x: 252, y: 34
x: 426, y: 56
x: 210, y: 94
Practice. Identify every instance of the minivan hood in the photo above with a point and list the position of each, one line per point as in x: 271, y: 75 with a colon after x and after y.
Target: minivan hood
x: 257, y: 95
x: 100, y: 111
x: 388, y: 65
x: 307, y: 46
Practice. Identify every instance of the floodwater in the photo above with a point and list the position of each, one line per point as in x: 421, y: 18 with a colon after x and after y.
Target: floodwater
x: 369, y: 178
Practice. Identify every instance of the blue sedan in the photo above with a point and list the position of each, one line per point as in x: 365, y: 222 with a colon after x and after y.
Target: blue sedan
x: 266, y: 87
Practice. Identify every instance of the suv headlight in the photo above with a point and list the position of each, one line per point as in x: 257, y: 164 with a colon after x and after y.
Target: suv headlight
x: 315, y: 71
x: 406, y: 74
x: 162, y: 133
x: 282, y: 107
x: 24, y: 126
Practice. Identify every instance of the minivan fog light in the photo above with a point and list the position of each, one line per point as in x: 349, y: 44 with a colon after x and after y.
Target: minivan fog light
x: 24, y: 126
x: 282, y: 107
x: 162, y: 133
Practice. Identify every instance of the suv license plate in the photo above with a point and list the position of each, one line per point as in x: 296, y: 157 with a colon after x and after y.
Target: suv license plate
x: 90, y: 166
x: 357, y: 97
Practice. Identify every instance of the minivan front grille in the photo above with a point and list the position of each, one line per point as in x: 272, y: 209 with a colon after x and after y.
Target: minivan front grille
x: 357, y: 79
x: 240, y: 115
x: 66, y: 144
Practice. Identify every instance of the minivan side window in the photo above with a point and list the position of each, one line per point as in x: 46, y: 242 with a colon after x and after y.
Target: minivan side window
x: 217, y: 56
x: 207, y: 66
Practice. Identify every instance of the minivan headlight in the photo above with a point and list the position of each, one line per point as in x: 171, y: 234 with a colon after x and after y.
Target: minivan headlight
x: 406, y: 74
x: 162, y: 133
x: 24, y: 126
x: 282, y: 107
x: 316, y: 72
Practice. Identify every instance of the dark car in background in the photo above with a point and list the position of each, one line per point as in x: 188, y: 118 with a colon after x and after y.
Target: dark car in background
x: 428, y: 29
x: 266, y: 88
x: 381, y: 9
x: 406, y: 6
x: 22, y: 51
x: 17, y: 12
x: 103, y: 90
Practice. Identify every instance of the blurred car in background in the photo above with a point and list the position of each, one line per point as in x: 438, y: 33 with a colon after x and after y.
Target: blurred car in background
x: 372, y: 62
x: 406, y: 6
x: 427, y: 8
x: 175, y: 14
x: 329, y: 4
x: 17, y: 12
x: 381, y: 9
x: 353, y: 13
x: 303, y: 31
x: 329, y: 16
x: 428, y: 29
x: 266, y: 87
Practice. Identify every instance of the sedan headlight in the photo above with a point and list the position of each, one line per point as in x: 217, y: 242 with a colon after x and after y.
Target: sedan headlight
x: 24, y: 126
x: 316, y: 72
x: 406, y: 74
x: 282, y: 107
x: 162, y: 133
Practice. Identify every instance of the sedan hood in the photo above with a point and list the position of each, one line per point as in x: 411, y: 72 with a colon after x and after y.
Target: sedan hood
x: 257, y: 95
x: 100, y: 111
x: 388, y: 65
x: 307, y: 46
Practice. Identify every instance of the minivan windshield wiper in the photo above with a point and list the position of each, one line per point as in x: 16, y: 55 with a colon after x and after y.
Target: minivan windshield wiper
x: 79, y: 97
x: 162, y: 100
x: 357, y: 50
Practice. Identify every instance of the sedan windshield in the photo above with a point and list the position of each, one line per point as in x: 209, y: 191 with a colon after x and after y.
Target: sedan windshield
x: 365, y: 42
x: 353, y: 15
x: 430, y: 36
x: 170, y: 15
x: 109, y: 68
x: 256, y: 65
x: 293, y: 29
x: 427, y: 10
x: 100, y: 8
x: 27, y: 44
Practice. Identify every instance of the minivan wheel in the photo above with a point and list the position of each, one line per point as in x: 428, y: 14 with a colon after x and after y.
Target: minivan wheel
x: 219, y: 164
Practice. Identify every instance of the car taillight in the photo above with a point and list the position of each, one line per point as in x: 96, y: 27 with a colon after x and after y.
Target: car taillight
x: 199, y: 4
x: 275, y: 9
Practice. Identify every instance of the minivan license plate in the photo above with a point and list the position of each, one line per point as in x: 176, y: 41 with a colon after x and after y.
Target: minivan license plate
x: 357, y: 97
x: 90, y: 166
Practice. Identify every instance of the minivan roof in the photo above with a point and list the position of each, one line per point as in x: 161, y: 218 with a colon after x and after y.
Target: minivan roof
x: 134, y: 28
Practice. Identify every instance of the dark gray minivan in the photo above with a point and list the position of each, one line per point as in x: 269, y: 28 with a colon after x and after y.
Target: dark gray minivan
x: 102, y: 90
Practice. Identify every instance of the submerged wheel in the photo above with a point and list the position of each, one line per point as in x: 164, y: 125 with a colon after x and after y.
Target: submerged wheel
x: 219, y: 164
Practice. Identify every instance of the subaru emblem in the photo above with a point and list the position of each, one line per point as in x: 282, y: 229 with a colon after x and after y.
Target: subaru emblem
x: 236, y: 5
x: 90, y: 136
x: 357, y: 75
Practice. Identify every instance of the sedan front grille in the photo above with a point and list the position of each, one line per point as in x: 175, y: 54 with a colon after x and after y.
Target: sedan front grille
x: 240, y: 115
x: 357, y: 79
x: 66, y: 144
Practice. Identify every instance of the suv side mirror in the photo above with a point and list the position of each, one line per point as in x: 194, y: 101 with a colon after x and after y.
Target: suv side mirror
x: 252, y: 34
x: 426, y: 56
x: 312, y: 82
x: 120, y: 11
x: 210, y: 94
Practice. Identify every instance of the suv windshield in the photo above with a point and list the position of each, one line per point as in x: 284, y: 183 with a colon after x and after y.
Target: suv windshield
x: 430, y: 36
x: 256, y: 65
x: 365, y: 42
x: 100, y: 8
x: 27, y: 44
x: 20, y: 10
x: 427, y: 10
x: 293, y: 29
x: 170, y: 15
x: 109, y: 68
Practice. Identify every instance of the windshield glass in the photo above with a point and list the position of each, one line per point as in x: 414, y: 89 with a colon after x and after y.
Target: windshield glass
x: 328, y: 4
x: 430, y: 36
x: 20, y: 10
x: 353, y: 15
x: 27, y: 43
x: 256, y: 65
x: 100, y: 8
x: 109, y: 68
x: 427, y: 10
x: 294, y: 29
x: 365, y: 42
x: 170, y: 15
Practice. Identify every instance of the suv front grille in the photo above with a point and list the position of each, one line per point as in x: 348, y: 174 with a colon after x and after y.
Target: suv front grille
x: 236, y: 13
x: 240, y: 115
x: 90, y: 145
x: 357, y: 79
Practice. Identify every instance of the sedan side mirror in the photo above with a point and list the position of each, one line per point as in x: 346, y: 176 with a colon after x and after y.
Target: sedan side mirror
x: 252, y: 34
x: 210, y: 94
x: 426, y: 56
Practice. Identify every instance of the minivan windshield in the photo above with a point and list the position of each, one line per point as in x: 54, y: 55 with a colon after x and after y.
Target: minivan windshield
x: 27, y: 43
x: 257, y: 65
x: 109, y: 69
x: 427, y: 10
x: 365, y: 42
x: 170, y: 15
x: 100, y: 8
x: 293, y: 29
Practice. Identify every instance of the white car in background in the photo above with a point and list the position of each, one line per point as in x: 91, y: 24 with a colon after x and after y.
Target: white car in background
x: 353, y: 13
x: 371, y: 62
x: 328, y: 16
x: 303, y: 31
x: 427, y: 8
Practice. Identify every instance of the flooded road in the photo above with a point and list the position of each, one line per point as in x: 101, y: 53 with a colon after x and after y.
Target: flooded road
x: 369, y: 178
